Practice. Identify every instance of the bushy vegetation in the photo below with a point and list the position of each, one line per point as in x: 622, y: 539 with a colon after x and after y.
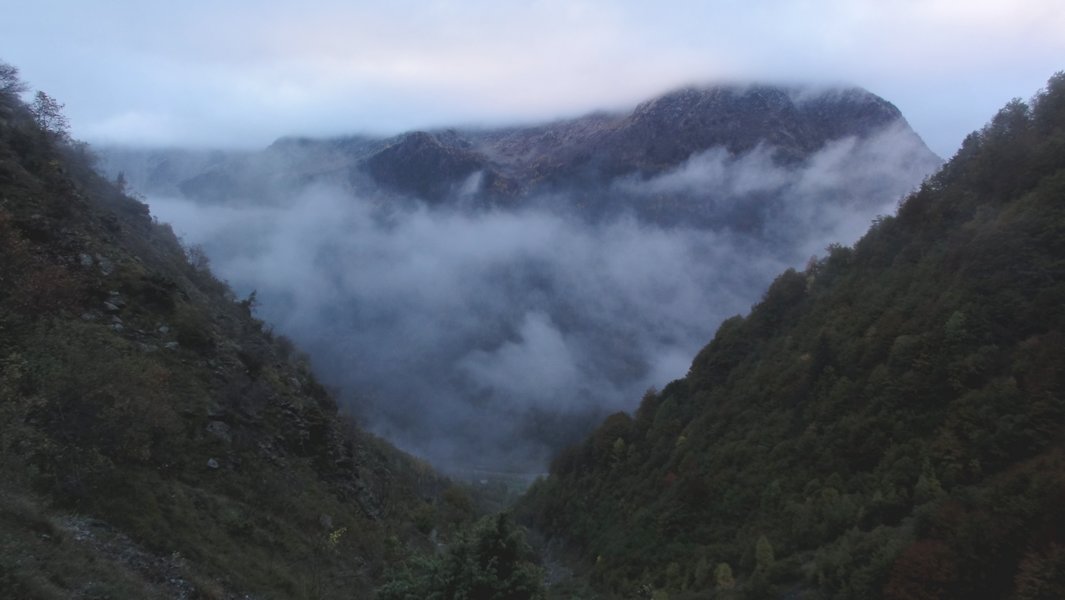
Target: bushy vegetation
x: 156, y: 440
x: 887, y: 423
x: 490, y: 561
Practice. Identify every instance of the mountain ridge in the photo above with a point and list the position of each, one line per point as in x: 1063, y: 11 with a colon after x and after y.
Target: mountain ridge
x: 885, y: 423
x: 597, y: 187
x: 655, y: 136
x: 156, y: 438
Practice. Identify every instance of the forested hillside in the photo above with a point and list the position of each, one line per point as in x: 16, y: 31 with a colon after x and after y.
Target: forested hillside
x: 887, y: 423
x: 156, y: 439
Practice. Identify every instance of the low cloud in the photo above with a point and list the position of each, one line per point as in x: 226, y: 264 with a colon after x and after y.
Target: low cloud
x: 490, y: 338
x: 830, y: 196
x: 444, y: 330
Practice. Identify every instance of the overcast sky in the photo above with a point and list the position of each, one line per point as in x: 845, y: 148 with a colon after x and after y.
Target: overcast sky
x: 240, y: 73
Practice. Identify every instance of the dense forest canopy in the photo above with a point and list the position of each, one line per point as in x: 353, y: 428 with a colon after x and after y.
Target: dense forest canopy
x: 886, y: 423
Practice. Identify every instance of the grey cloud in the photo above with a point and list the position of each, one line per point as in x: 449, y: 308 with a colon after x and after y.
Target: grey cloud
x: 830, y: 196
x: 430, y: 317
x: 490, y: 338
x: 539, y: 360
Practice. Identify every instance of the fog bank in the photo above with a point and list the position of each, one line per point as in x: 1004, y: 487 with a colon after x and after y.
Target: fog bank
x: 491, y: 338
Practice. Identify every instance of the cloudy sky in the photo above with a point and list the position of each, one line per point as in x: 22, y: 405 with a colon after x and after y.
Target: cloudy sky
x: 239, y: 73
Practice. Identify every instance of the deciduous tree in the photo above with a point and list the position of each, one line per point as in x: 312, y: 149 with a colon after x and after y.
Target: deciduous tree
x: 10, y: 84
x: 48, y: 112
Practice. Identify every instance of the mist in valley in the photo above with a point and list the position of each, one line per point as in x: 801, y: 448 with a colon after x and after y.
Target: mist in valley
x: 491, y: 338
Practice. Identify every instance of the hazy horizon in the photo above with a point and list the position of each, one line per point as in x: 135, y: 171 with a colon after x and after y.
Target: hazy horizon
x: 243, y: 74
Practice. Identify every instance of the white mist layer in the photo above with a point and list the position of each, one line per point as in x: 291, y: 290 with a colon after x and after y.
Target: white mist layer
x: 491, y: 338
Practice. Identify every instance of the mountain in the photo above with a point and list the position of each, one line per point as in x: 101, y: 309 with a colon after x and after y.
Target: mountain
x: 157, y: 440
x: 483, y: 297
x: 887, y: 423
x: 588, y: 157
x: 502, y: 167
x: 663, y: 132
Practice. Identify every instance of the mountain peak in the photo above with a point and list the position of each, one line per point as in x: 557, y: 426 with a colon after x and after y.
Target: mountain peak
x: 424, y: 164
x: 794, y: 120
x: 687, y: 100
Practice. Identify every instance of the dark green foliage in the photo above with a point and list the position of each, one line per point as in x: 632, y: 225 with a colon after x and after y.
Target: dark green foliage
x: 491, y: 561
x: 155, y: 439
x: 887, y: 423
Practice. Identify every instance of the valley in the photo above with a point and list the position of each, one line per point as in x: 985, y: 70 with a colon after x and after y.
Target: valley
x: 483, y: 297
x: 474, y: 362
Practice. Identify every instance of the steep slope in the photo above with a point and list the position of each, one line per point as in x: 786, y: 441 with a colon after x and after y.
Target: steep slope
x: 889, y: 422
x: 156, y: 440
x: 663, y: 132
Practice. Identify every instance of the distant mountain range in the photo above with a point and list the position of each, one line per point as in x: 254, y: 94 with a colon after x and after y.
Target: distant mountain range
x: 511, y: 166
